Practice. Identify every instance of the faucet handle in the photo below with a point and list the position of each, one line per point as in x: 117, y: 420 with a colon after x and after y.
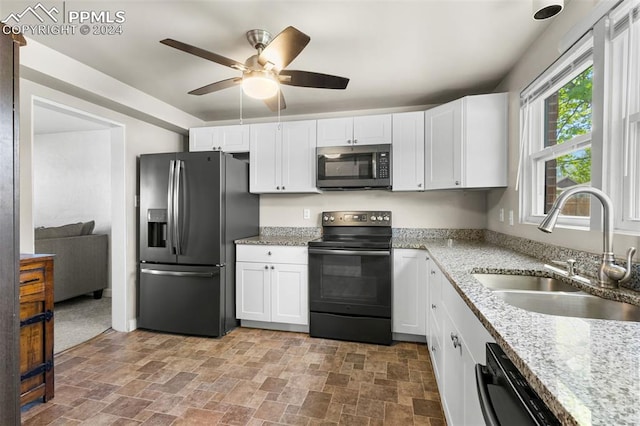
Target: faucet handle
x: 570, y: 265
x: 627, y: 273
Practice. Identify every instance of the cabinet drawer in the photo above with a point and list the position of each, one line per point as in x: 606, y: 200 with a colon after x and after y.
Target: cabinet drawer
x: 271, y: 254
x: 31, y: 282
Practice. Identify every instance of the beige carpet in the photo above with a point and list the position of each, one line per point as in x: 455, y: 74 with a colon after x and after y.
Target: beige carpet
x: 78, y: 320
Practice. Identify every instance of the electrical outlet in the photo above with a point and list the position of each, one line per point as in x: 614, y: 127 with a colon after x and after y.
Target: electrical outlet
x: 306, y: 214
x: 511, y: 217
x: 501, y: 214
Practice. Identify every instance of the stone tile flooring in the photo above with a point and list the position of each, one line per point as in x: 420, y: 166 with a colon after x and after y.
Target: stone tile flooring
x: 249, y: 377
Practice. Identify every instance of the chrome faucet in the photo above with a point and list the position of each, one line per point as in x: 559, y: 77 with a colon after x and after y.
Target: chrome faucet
x: 609, y: 274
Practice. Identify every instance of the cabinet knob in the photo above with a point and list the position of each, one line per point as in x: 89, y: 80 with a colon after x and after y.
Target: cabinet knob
x: 419, y: 185
x: 266, y: 267
x: 427, y: 258
x: 283, y: 187
x: 457, y: 182
x: 269, y: 253
x: 433, y: 348
x: 456, y: 340
x: 433, y: 306
x: 272, y: 267
x: 433, y: 272
x: 349, y: 141
x: 278, y: 188
x: 355, y: 141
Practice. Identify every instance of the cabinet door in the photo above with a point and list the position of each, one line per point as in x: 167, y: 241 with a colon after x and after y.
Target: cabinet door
x: 335, y: 132
x: 409, y: 270
x: 443, y: 146
x: 265, y: 154
x: 408, y: 151
x: 299, y: 156
x: 289, y: 296
x: 253, y: 291
x: 204, y: 139
x: 372, y: 129
x: 234, y: 138
x: 452, y: 390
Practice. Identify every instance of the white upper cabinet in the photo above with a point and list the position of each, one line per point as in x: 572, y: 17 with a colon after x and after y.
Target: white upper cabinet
x: 220, y: 138
x: 408, y: 151
x: 282, y: 157
x: 365, y: 130
x: 466, y: 143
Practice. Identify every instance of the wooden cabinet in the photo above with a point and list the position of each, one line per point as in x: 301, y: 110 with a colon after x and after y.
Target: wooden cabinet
x: 408, y: 151
x: 456, y: 340
x: 36, y: 328
x: 409, y: 291
x: 283, y: 157
x: 220, y: 138
x: 466, y: 143
x: 364, y: 130
x: 271, y: 284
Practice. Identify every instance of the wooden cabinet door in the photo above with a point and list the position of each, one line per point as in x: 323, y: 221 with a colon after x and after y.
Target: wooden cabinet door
x: 299, y: 156
x: 443, y: 146
x: 253, y: 291
x: 289, y: 294
x: 265, y: 153
x: 409, y: 288
x: 408, y: 151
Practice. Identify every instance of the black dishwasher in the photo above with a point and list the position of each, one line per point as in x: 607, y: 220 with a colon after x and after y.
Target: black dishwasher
x: 505, y: 396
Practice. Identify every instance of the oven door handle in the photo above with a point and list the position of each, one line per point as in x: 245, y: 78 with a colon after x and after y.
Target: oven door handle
x: 488, y: 412
x: 350, y: 252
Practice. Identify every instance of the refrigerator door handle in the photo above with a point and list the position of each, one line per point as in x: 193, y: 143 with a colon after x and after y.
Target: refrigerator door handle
x: 170, y: 205
x: 179, y: 273
x: 176, y: 209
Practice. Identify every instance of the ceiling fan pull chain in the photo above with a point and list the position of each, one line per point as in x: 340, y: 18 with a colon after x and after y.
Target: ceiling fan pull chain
x: 278, y: 95
x: 241, y: 103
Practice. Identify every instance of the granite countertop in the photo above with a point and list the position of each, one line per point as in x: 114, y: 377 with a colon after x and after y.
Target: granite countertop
x: 276, y: 240
x: 586, y: 370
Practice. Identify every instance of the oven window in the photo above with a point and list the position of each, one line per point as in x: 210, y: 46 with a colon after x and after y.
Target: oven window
x: 354, y: 284
x: 347, y: 166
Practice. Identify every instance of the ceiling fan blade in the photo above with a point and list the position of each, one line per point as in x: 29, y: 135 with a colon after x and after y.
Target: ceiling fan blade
x: 205, y: 54
x: 218, y: 85
x: 284, y: 48
x: 313, y: 79
x: 272, y: 102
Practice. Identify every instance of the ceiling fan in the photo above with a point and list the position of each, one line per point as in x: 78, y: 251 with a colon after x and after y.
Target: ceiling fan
x: 263, y: 72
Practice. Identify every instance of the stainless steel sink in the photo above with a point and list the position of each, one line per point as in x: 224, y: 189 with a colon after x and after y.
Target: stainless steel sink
x: 522, y: 282
x: 574, y: 304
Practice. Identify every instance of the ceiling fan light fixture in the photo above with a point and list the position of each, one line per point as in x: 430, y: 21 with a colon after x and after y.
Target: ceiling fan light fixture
x: 260, y: 85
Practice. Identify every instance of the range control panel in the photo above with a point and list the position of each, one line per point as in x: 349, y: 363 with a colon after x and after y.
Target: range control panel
x: 357, y: 218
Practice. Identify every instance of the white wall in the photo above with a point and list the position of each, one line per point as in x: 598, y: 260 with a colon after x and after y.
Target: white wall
x: 72, y: 178
x: 435, y: 209
x: 542, y: 53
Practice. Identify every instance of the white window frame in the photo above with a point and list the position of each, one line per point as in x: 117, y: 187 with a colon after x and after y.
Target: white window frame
x: 532, y: 123
x: 623, y: 115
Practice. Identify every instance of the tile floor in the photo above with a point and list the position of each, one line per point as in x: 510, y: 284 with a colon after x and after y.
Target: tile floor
x: 249, y: 377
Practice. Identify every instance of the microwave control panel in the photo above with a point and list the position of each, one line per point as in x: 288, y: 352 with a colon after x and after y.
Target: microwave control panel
x: 383, y: 165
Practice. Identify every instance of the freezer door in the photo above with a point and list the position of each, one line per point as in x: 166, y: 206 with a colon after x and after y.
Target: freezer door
x: 177, y: 299
x: 155, y: 208
x: 199, y: 206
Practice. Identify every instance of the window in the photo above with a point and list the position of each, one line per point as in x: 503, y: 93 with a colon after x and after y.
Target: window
x: 559, y: 129
x: 624, y: 115
x: 557, y: 144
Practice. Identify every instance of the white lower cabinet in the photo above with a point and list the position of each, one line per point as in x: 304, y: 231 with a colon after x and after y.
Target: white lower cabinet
x: 456, y: 340
x: 409, y: 291
x: 271, y: 284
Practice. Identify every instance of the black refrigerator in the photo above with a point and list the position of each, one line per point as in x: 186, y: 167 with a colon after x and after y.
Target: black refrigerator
x: 193, y: 205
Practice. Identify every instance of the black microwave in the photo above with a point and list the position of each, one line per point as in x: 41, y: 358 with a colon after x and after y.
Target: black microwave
x: 354, y: 167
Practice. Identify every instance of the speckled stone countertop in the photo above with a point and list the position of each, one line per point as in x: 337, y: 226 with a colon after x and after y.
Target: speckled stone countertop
x: 275, y: 240
x: 586, y: 370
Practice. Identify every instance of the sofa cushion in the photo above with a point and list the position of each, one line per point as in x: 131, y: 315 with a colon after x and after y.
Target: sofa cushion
x: 87, y: 227
x: 70, y: 230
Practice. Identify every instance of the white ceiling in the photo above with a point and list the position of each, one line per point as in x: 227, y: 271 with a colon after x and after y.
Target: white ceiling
x: 396, y: 53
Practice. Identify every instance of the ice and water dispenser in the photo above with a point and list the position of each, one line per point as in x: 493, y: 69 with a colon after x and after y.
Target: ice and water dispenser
x: 157, y: 227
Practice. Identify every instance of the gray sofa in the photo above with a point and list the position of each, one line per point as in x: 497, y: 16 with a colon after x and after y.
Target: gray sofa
x: 81, y: 259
